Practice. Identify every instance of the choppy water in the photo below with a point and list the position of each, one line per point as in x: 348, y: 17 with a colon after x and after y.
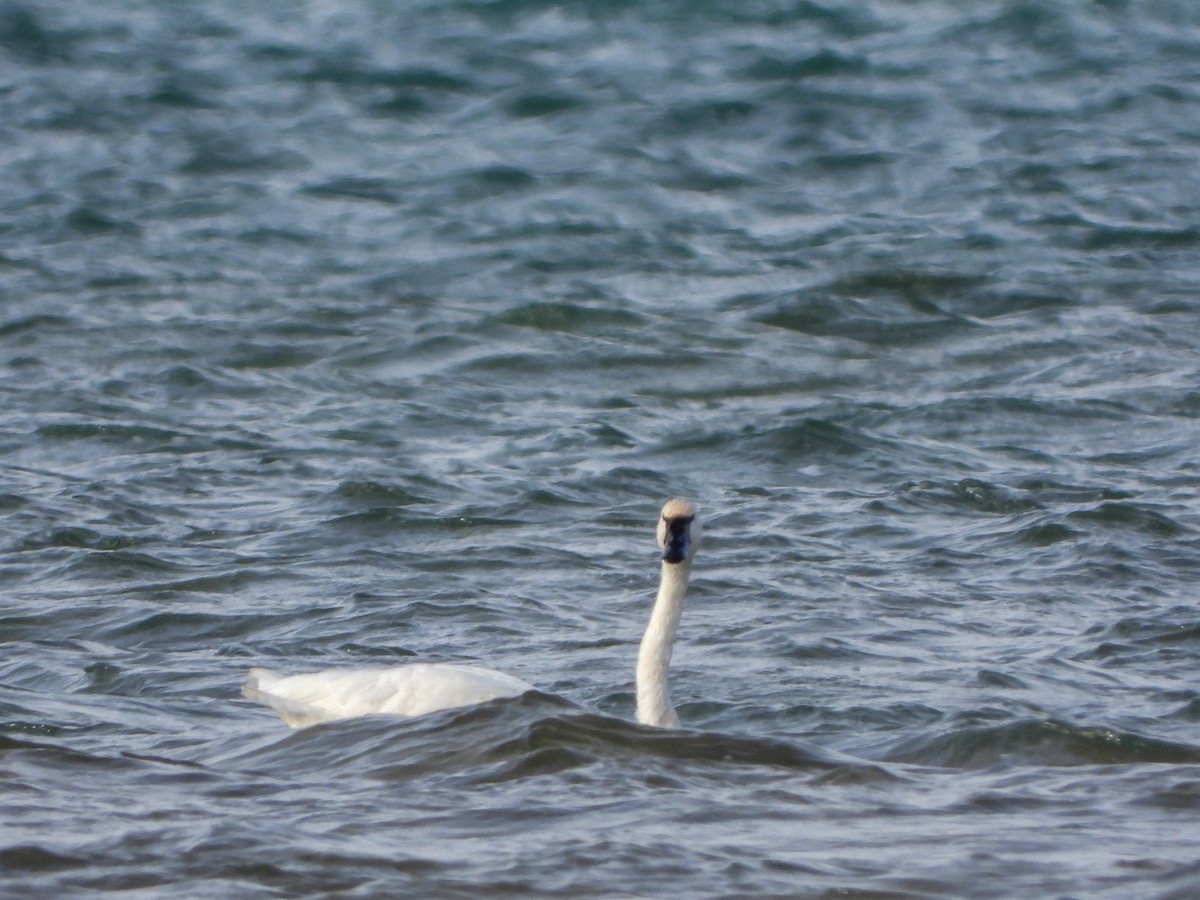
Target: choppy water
x: 344, y: 333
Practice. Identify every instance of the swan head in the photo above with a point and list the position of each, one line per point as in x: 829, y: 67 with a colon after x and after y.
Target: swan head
x: 678, y: 531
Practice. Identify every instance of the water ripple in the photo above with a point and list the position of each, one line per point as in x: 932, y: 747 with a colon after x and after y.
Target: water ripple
x: 353, y: 334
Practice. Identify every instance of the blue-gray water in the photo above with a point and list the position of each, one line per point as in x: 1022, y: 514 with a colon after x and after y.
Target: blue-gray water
x: 348, y: 333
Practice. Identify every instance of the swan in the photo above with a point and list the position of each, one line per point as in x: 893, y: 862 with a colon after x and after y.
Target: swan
x: 417, y: 689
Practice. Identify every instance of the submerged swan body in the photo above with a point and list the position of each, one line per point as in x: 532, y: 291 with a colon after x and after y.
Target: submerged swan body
x: 420, y: 688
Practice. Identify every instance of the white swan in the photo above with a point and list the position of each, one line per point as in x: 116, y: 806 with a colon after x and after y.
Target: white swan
x: 420, y: 688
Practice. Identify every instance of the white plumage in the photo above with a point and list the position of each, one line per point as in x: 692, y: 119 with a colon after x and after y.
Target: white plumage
x: 412, y: 690
x: 417, y: 689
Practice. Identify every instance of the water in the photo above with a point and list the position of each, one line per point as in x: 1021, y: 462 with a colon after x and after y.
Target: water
x: 344, y: 334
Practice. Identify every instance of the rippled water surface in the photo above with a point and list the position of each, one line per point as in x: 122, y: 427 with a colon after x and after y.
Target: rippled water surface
x: 353, y: 333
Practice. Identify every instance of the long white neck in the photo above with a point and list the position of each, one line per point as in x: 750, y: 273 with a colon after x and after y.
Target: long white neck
x: 654, y: 657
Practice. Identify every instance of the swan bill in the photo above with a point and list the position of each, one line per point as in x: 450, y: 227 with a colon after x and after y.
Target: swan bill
x: 675, y: 535
x: 679, y: 540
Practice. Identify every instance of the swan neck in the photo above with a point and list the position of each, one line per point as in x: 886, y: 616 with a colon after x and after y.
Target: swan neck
x: 654, y: 657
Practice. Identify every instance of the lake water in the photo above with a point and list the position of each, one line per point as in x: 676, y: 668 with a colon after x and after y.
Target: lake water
x: 352, y: 333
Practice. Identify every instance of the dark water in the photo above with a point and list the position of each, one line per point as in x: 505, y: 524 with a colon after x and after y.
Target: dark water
x: 346, y: 333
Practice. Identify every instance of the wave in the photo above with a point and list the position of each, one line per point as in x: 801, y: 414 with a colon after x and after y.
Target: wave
x: 1039, y: 742
x: 524, y: 737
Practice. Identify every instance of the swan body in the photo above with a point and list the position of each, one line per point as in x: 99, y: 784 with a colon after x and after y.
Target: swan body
x: 417, y: 689
x: 412, y: 690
